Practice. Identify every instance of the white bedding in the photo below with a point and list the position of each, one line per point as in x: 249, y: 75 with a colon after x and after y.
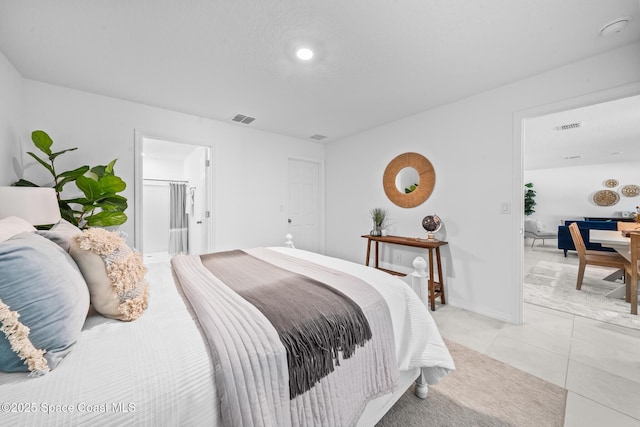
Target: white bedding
x: 418, y: 341
x: 156, y: 370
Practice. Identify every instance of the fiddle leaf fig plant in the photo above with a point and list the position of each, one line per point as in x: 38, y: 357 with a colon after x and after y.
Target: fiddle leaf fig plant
x: 101, y: 206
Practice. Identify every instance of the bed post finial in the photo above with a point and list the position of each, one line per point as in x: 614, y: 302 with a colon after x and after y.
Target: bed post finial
x: 418, y: 280
x: 288, y: 242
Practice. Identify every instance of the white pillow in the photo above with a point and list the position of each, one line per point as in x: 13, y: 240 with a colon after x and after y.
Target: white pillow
x: 539, y: 225
x: 12, y: 225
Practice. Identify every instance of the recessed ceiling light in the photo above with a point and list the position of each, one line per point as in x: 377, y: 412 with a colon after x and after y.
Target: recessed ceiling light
x: 304, y: 53
x: 615, y: 26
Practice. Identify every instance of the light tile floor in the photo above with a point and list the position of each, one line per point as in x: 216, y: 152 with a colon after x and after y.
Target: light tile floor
x: 598, y: 363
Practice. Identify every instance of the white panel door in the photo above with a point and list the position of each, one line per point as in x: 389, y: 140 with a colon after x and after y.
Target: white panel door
x: 304, y: 204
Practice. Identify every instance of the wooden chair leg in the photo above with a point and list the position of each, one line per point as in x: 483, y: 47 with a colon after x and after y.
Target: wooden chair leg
x: 627, y: 279
x: 633, y: 295
x: 581, y: 269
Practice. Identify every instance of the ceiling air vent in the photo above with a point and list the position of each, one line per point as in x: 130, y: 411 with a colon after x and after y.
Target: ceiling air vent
x: 570, y: 126
x: 318, y: 137
x: 241, y: 118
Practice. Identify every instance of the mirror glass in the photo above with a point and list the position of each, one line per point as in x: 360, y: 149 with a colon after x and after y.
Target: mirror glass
x: 407, y: 180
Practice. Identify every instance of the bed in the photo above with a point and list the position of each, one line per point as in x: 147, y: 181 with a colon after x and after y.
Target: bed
x: 164, y: 368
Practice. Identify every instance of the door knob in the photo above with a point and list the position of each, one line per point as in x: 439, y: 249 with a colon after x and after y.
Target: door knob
x: 289, y: 221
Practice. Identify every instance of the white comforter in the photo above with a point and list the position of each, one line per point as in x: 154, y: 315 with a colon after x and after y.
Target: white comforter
x: 156, y: 370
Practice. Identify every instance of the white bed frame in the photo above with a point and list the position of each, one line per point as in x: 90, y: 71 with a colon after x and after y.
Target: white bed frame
x: 377, y: 408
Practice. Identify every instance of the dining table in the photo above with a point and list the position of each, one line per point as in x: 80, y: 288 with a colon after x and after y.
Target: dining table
x: 616, y: 240
x: 612, y: 239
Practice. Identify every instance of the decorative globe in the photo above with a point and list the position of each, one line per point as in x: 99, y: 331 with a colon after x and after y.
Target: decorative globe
x: 432, y: 224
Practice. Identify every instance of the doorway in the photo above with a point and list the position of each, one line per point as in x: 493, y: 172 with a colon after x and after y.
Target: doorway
x: 173, y: 198
x: 525, y: 125
x: 305, y: 204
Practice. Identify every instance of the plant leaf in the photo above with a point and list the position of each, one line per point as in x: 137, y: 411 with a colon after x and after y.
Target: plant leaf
x: 42, y: 140
x: 112, y: 203
x: 69, y: 176
x: 112, y: 184
x: 67, y: 213
x: 99, y: 171
x: 106, y: 219
x: 79, y: 200
x: 109, y: 168
x: 42, y: 162
x: 75, y: 173
x: 24, y: 183
x: 91, y: 188
x: 52, y: 156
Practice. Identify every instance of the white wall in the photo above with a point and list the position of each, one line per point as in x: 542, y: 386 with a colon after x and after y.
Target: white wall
x: 567, y: 193
x: 11, y: 112
x: 250, y: 214
x: 476, y: 156
x: 163, y: 169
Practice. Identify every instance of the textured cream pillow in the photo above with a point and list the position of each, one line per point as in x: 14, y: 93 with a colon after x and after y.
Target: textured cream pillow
x: 113, y: 271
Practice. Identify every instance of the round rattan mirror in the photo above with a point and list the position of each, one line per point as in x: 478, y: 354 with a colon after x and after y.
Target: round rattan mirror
x: 414, y: 194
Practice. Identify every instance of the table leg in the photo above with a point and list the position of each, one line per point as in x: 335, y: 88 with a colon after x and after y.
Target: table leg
x: 432, y: 287
x: 440, y: 276
x: 368, y: 252
x: 377, y: 253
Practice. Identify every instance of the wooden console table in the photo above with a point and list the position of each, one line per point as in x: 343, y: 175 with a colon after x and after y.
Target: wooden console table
x: 436, y: 287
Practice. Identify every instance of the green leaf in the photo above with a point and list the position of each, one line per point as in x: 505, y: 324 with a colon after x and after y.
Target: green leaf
x: 70, y: 176
x: 24, y: 183
x: 76, y: 172
x: 106, y: 219
x: 42, y: 162
x: 99, y: 171
x: 109, y: 168
x: 79, y: 200
x: 112, y: 184
x: 67, y: 213
x: 42, y: 140
x: 114, y: 203
x: 52, y: 156
x: 91, y: 188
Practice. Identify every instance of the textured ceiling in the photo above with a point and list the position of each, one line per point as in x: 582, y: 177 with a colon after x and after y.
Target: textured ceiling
x: 609, y: 132
x: 376, y: 60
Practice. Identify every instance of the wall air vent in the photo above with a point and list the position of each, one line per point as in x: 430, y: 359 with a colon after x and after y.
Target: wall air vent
x: 573, y: 157
x: 569, y: 126
x: 241, y: 118
x: 317, y: 137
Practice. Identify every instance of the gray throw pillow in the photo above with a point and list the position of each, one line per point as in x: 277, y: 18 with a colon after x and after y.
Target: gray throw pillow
x: 61, y: 233
x: 41, y: 282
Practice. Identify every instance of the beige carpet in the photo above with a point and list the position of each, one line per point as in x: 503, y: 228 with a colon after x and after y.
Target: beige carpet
x: 482, y: 392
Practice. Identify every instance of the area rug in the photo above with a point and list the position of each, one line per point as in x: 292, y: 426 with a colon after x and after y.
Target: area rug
x: 553, y: 285
x: 481, y: 392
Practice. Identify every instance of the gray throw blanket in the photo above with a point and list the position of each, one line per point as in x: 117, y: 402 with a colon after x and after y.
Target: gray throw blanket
x: 316, y: 323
